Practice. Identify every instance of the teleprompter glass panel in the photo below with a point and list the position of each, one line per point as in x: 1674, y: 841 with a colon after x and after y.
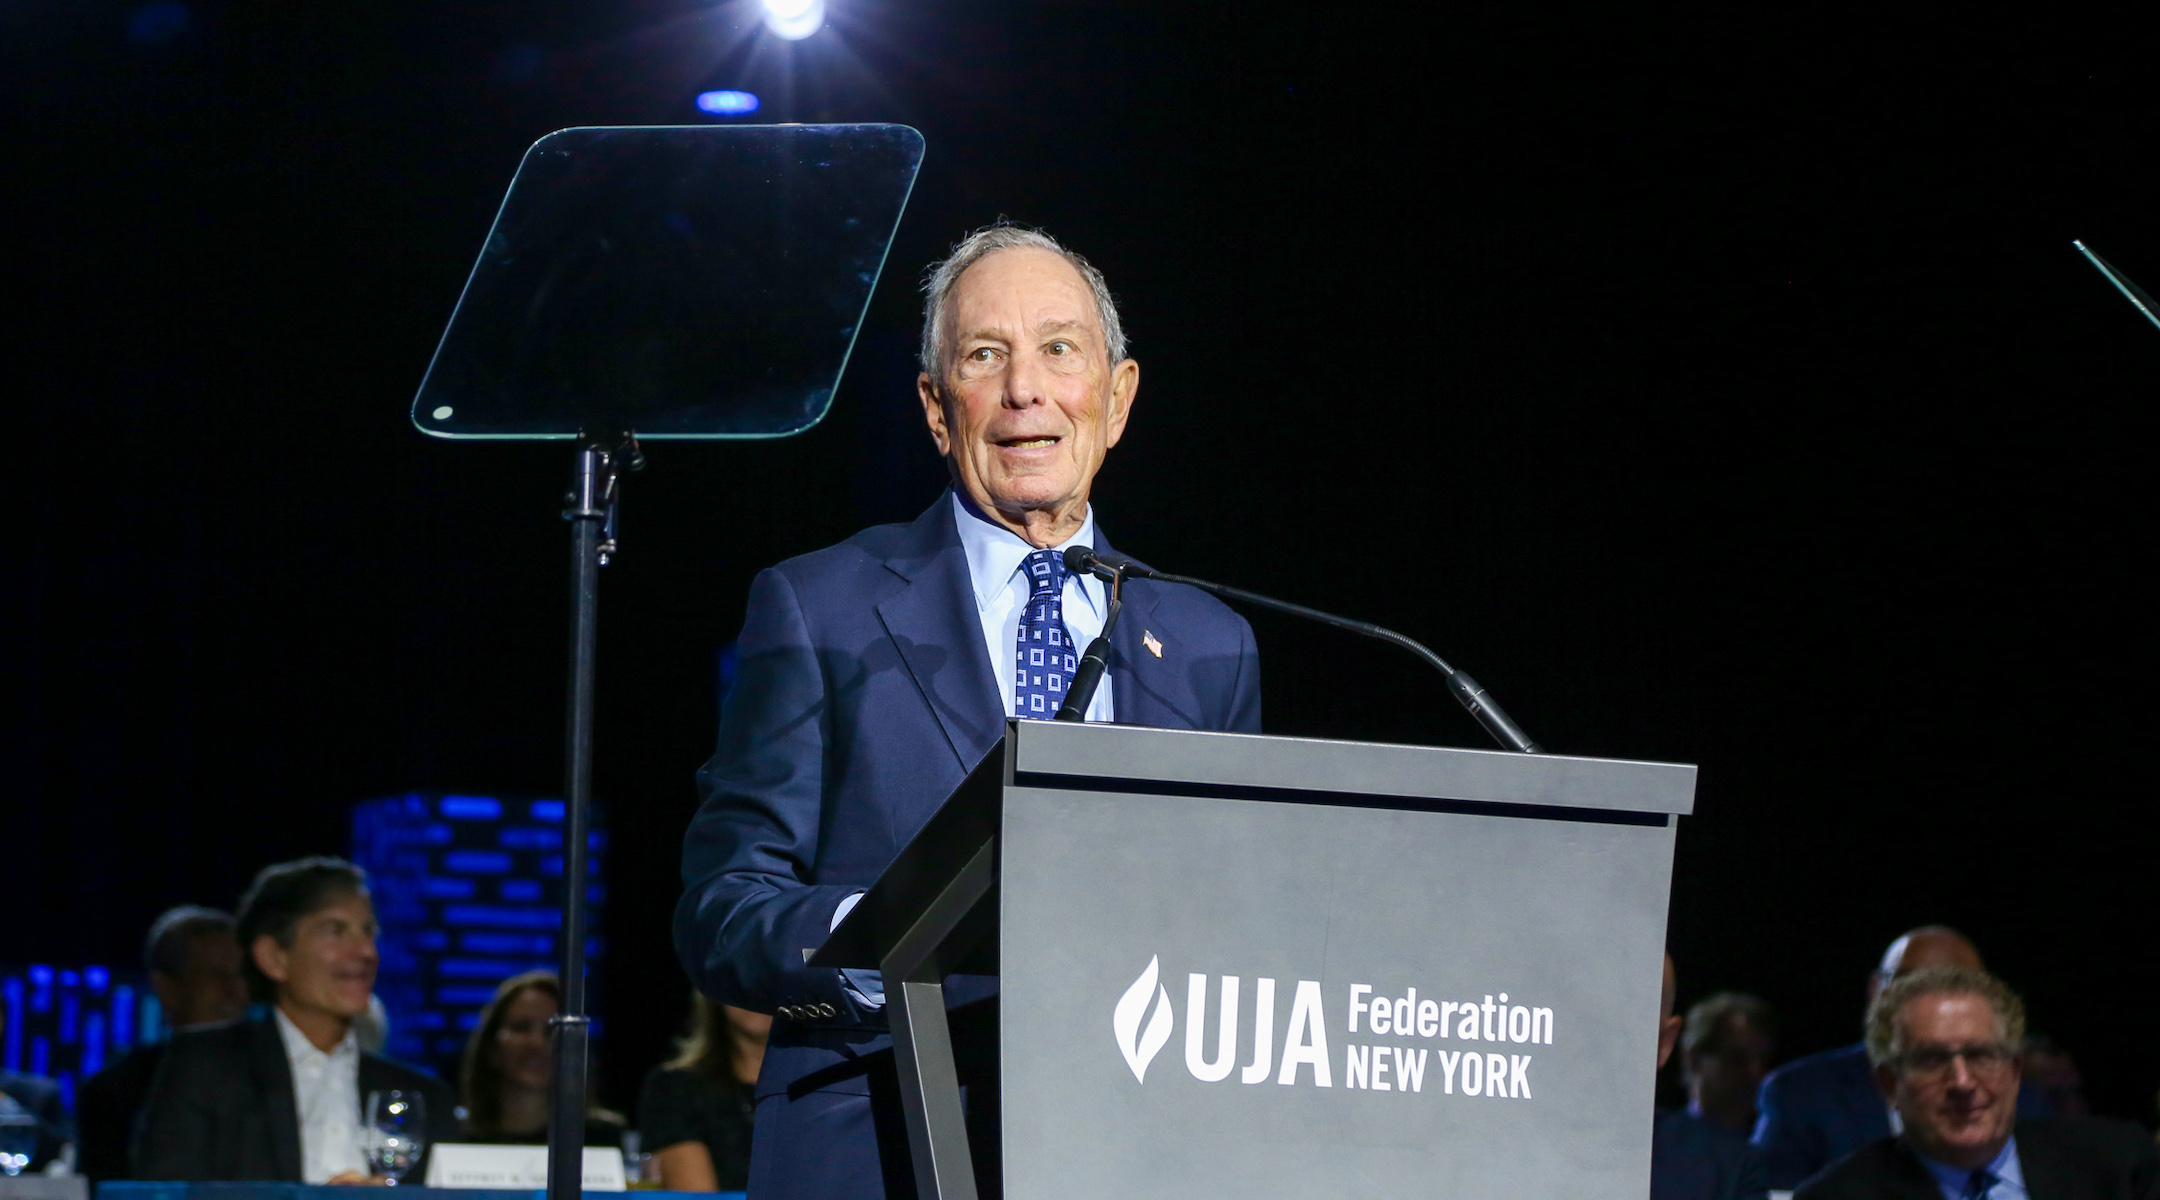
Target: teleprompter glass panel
x: 673, y: 281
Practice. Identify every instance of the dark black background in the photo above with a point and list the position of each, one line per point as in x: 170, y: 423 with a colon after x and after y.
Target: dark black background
x: 1716, y: 387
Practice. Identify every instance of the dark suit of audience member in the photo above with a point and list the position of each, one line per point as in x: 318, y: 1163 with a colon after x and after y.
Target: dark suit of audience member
x: 223, y: 1107
x: 2059, y: 1158
x: 1695, y: 1159
x: 279, y: 1099
x: 40, y: 1097
x: 193, y: 961
x: 1943, y: 1044
x: 105, y: 1112
x: 1815, y: 1110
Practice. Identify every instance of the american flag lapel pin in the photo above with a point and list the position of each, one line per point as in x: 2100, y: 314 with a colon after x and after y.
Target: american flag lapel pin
x: 1147, y: 638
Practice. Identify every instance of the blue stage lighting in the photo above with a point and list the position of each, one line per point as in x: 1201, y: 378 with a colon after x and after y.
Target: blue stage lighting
x: 727, y: 104
x: 794, y: 19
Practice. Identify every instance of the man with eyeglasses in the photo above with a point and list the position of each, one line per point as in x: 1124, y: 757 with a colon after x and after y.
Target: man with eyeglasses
x: 1943, y: 1045
x: 1816, y: 1110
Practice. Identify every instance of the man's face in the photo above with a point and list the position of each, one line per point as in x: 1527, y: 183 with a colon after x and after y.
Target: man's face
x: 1028, y: 402
x: 329, y: 969
x: 1956, y: 1081
x: 209, y: 988
x: 1725, y: 1075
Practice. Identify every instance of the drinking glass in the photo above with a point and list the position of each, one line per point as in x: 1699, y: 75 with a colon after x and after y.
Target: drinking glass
x: 18, y: 1139
x: 393, y: 1133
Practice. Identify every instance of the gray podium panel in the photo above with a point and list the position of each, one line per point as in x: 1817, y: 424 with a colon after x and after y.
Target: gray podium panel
x: 1522, y: 946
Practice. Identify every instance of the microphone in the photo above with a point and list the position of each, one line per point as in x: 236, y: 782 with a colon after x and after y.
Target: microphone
x: 1080, y: 560
x: 1467, y: 691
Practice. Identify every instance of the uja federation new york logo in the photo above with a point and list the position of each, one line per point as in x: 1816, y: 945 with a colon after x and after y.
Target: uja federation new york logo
x: 1143, y: 1022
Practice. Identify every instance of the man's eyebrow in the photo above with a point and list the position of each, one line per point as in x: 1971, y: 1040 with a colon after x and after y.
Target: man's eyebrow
x: 1059, y: 325
x: 986, y: 335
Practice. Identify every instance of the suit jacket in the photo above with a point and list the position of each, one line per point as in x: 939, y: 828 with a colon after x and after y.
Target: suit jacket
x: 222, y: 1107
x: 105, y: 1112
x: 863, y: 696
x: 2063, y: 1158
x: 1816, y: 1110
x: 41, y: 1097
x: 1694, y: 1159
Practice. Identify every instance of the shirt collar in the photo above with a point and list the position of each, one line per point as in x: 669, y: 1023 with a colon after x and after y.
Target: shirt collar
x: 2004, y: 1167
x: 298, y: 1048
x: 994, y: 552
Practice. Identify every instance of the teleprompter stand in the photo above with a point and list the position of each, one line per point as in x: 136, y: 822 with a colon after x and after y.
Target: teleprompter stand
x: 1277, y: 967
x: 595, y: 484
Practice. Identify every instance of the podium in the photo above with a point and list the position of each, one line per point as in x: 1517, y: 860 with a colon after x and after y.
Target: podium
x: 1259, y: 967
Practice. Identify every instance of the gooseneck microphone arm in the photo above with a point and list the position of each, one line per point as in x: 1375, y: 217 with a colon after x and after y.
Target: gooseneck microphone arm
x: 1088, y: 676
x: 1466, y: 690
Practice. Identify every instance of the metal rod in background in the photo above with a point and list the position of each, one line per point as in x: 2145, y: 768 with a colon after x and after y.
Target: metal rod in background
x: 591, y: 501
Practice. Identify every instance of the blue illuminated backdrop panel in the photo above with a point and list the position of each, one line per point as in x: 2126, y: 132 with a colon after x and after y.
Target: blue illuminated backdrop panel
x: 469, y: 892
x: 68, y: 1022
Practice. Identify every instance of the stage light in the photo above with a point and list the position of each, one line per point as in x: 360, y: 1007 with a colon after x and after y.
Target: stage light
x: 794, y: 19
x: 727, y: 104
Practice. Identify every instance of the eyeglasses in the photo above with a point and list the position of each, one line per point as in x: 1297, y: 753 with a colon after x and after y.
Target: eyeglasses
x: 1933, y: 1062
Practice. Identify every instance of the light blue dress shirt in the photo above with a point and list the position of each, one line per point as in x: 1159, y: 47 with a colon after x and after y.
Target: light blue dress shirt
x: 2010, y: 1177
x: 994, y: 555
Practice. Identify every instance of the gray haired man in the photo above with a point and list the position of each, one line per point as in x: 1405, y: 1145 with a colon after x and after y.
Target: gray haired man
x: 1943, y: 1043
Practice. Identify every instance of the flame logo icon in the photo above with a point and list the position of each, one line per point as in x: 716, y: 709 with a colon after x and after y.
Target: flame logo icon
x: 1141, y: 1048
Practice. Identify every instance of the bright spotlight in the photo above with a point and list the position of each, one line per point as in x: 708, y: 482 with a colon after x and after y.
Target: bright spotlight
x: 727, y: 104
x: 794, y: 19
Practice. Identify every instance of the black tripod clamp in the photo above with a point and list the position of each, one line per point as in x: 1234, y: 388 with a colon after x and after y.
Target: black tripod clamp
x: 601, y: 462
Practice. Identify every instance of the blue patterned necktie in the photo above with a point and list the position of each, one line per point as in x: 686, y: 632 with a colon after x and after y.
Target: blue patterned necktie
x: 1978, y: 1186
x: 1043, y: 658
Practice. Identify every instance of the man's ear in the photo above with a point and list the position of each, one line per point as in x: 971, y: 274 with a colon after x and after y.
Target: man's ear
x: 167, y: 988
x: 1885, y: 1083
x: 934, y: 413
x: 270, y: 958
x: 1124, y: 385
x: 1668, y: 1036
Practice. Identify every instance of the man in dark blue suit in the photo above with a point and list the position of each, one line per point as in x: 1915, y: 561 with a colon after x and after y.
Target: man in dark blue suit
x: 1816, y: 1110
x: 875, y: 674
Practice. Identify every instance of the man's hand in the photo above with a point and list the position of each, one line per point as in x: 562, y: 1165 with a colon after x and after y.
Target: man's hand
x: 358, y: 1179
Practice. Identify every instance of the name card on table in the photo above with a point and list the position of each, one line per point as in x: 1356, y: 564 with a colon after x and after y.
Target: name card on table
x: 465, y: 1165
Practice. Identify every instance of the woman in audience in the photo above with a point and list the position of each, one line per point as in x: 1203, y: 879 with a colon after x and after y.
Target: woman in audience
x: 509, y: 1062
x: 695, y: 1111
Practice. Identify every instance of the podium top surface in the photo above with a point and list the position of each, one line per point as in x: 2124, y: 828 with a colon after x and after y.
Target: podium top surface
x: 1122, y: 753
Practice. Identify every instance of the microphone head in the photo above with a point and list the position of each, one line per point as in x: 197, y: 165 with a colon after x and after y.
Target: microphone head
x: 1080, y: 560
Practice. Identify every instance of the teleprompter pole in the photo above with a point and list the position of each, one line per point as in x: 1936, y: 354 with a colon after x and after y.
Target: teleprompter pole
x: 591, y: 513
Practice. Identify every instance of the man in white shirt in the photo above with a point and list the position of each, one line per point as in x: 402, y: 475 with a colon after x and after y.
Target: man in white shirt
x: 280, y: 1099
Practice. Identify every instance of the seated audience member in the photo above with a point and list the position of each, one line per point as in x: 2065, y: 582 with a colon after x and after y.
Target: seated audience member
x: 194, y: 965
x: 40, y: 1098
x: 1815, y: 1110
x: 1691, y: 1158
x: 279, y: 1099
x: 509, y: 1062
x: 1725, y: 1049
x: 695, y: 1111
x: 2050, y: 1071
x: 1943, y: 1044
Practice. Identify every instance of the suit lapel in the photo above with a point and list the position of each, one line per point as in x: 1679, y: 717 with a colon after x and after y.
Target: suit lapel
x: 1147, y: 688
x: 2046, y: 1176
x: 273, y: 1077
x: 933, y: 625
